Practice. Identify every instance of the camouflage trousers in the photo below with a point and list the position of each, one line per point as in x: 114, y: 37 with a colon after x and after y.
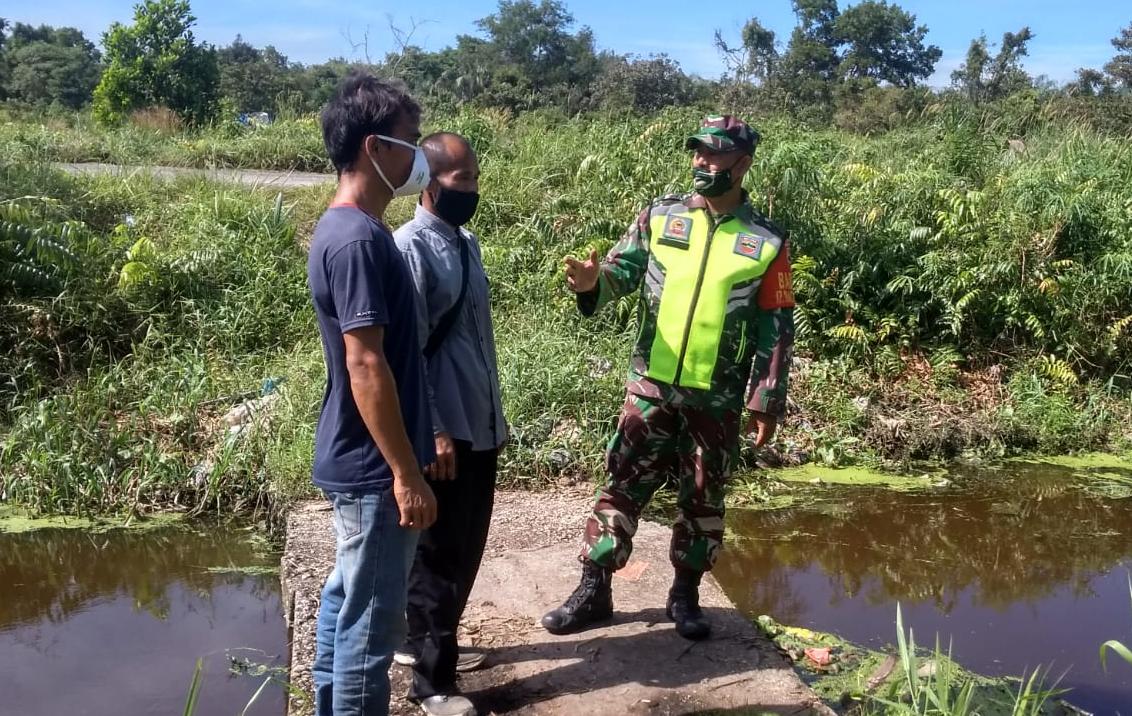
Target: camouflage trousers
x: 658, y: 441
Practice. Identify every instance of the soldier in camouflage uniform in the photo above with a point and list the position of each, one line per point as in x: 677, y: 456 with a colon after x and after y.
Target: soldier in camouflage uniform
x: 716, y: 315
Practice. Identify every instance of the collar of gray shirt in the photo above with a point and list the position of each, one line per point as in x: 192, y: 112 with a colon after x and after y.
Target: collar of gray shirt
x: 433, y: 222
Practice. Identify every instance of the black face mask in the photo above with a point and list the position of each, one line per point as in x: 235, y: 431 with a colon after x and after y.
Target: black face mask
x: 455, y: 207
x: 711, y: 184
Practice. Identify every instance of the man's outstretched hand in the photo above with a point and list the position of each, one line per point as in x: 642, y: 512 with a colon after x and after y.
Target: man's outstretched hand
x: 581, y: 276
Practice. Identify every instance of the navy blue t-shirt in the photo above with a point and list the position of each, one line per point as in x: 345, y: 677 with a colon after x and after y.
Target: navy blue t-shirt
x: 357, y: 279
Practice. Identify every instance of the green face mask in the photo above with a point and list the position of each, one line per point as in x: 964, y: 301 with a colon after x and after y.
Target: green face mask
x: 711, y: 183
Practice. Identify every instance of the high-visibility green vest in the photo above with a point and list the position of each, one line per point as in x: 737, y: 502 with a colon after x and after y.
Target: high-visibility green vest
x: 709, y: 272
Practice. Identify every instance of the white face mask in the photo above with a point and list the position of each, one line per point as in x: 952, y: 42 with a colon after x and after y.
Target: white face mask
x: 419, y: 175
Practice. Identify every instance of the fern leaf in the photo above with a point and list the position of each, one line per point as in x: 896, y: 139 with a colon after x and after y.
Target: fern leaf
x: 1058, y: 370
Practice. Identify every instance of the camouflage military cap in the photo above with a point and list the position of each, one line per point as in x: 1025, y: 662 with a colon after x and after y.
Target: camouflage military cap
x: 722, y: 134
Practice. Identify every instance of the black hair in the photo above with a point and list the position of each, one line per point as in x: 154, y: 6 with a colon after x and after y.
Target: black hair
x: 362, y: 105
x: 436, y: 150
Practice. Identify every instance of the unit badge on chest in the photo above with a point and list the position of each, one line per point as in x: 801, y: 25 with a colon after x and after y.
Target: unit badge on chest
x: 748, y: 245
x: 677, y: 229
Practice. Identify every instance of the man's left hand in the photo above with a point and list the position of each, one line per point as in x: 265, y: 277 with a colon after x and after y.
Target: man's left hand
x: 763, y: 425
x: 445, y: 466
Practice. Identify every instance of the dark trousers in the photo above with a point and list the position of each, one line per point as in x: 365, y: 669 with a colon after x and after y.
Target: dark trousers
x: 447, y: 560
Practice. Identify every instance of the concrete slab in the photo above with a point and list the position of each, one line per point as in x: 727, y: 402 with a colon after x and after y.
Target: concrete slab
x: 636, y: 664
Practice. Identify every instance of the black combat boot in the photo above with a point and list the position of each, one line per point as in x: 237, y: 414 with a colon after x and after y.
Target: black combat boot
x: 684, y: 605
x: 590, y: 603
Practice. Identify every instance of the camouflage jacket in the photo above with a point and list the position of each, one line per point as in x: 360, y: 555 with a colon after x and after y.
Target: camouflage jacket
x: 716, y: 309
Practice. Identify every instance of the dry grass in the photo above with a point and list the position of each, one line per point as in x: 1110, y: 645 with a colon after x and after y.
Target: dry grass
x: 157, y: 119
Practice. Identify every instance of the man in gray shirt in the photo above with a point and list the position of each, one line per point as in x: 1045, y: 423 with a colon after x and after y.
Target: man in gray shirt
x: 454, y: 326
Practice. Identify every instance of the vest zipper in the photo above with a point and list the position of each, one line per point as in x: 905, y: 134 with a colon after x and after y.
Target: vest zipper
x: 695, y: 299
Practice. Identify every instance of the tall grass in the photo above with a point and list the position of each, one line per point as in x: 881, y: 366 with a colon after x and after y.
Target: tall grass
x: 194, y: 689
x: 300, y: 700
x: 153, y: 139
x: 114, y: 390
x: 1115, y: 646
x: 956, y: 294
x: 937, y: 686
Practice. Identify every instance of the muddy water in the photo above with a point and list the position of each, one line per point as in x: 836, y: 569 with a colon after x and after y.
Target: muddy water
x: 113, y: 623
x: 1017, y: 569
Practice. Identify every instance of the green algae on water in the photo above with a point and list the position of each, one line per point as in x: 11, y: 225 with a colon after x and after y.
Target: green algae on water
x: 1101, y: 474
x: 858, y: 477
x: 248, y: 570
x: 17, y: 521
x: 1093, y: 461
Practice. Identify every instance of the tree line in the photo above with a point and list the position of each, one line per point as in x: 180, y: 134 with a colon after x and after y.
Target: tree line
x: 861, y: 68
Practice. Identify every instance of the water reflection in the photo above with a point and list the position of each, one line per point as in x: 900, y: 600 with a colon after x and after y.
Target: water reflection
x: 1020, y: 570
x: 121, y: 618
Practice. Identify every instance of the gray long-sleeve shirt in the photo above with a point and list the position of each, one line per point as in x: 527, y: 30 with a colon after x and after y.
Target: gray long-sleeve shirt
x: 463, y: 376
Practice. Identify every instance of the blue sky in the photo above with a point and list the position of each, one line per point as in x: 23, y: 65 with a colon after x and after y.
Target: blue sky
x: 1068, y: 35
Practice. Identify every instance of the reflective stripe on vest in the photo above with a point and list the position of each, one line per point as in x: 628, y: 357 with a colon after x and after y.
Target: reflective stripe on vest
x: 701, y: 264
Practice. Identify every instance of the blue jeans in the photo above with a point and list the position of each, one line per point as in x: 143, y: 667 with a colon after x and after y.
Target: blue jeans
x: 361, y: 618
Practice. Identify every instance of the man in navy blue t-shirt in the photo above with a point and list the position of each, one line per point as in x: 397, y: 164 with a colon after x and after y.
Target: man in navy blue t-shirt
x: 375, y: 430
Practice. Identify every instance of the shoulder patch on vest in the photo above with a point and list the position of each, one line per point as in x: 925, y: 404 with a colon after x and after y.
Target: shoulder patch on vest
x: 677, y: 229
x: 749, y: 245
